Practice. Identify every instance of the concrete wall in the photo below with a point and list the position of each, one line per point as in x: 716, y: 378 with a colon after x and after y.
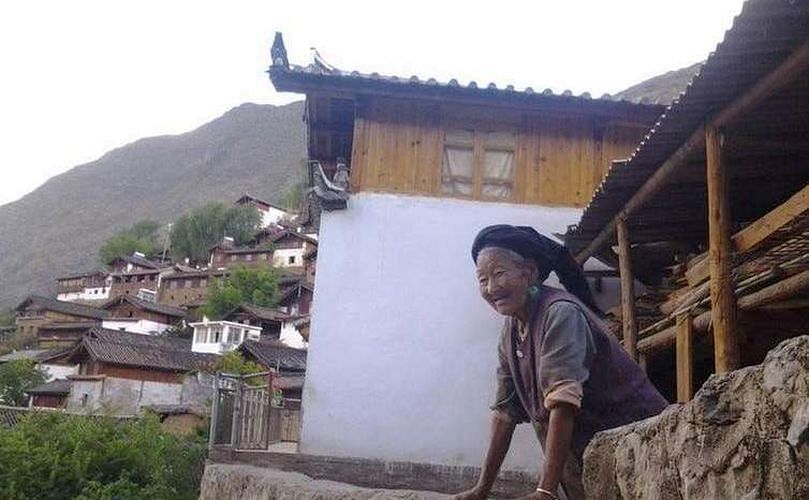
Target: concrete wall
x: 402, y: 351
x: 120, y: 396
x: 59, y: 371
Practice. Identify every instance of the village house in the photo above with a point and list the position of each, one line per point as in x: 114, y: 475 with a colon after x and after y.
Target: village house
x: 220, y: 337
x: 131, y: 314
x: 134, y: 275
x: 269, y: 320
x: 122, y: 372
x: 296, y: 299
x: 53, y: 362
x: 271, y: 215
x: 36, y: 312
x: 83, y: 287
x: 223, y: 257
x: 187, y: 288
x: 289, y: 247
x: 287, y: 363
x: 711, y: 211
x: 51, y: 394
x: 405, y: 171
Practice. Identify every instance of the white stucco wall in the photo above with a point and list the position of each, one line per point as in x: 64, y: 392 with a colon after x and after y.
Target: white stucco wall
x: 290, y: 336
x: 59, y: 371
x: 402, y: 352
x: 280, y: 257
x: 142, y: 326
x: 88, y: 294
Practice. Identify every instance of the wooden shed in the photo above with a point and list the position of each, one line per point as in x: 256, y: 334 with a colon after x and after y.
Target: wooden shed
x: 711, y: 211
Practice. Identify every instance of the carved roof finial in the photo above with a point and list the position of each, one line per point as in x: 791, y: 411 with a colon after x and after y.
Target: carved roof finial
x: 278, y: 52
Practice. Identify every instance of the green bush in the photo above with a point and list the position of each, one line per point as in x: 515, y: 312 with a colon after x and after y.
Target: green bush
x: 57, y: 456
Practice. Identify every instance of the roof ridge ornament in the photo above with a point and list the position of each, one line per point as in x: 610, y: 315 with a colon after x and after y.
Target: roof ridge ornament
x: 278, y: 52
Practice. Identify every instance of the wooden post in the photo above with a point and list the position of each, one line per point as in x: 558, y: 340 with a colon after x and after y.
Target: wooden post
x: 685, y: 363
x: 627, y: 291
x: 214, y: 414
x: 720, y: 255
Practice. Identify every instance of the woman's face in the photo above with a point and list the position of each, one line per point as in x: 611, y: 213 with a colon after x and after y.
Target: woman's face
x: 503, y: 280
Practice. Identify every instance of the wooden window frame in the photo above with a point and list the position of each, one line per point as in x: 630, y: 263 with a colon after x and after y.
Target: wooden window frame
x: 478, y: 159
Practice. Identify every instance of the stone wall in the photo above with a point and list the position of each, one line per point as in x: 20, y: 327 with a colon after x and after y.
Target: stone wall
x: 744, y: 435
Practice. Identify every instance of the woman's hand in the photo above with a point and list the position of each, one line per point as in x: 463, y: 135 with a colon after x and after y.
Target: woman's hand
x: 476, y: 493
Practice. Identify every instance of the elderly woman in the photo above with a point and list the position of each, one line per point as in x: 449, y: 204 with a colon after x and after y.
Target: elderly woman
x: 560, y: 367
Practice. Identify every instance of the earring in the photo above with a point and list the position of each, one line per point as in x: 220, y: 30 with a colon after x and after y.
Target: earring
x: 533, y: 291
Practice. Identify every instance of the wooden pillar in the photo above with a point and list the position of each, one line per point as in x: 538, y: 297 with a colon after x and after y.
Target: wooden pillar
x: 627, y: 291
x: 685, y: 358
x: 723, y: 300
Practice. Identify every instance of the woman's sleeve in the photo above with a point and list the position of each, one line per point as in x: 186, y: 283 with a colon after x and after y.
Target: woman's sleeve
x: 565, y: 355
x: 507, y: 402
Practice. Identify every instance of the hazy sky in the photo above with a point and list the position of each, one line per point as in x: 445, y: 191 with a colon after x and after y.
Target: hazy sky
x: 79, y: 78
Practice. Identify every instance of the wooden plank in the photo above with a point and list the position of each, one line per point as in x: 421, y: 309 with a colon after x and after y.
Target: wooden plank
x: 685, y: 360
x: 760, y: 230
x: 751, y: 236
x: 781, y: 76
x: 720, y: 255
x: 628, y: 320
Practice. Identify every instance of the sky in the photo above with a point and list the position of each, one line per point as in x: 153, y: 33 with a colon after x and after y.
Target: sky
x: 80, y: 78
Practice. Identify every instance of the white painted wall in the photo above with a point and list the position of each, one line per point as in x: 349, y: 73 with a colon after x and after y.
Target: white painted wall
x: 402, y: 352
x: 230, y: 336
x: 280, y: 257
x: 142, y: 326
x: 291, y: 337
x: 87, y: 294
x: 55, y: 371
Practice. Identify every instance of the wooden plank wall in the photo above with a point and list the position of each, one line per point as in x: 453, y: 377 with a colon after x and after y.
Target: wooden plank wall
x: 560, y: 160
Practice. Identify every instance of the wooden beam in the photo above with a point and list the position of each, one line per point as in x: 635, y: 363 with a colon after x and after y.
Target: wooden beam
x: 720, y: 255
x: 751, y: 236
x: 774, y: 293
x: 630, y: 325
x: 760, y: 230
x: 685, y: 358
x: 781, y: 76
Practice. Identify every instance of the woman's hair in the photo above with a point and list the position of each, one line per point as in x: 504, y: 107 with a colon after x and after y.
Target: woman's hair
x: 548, y: 255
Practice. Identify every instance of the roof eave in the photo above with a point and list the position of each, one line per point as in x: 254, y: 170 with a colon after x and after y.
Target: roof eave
x: 291, y: 80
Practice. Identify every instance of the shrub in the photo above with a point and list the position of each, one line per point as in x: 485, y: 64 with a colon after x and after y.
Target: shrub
x: 57, y: 456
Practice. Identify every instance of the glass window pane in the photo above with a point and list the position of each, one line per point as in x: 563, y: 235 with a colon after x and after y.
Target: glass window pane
x: 498, y: 174
x: 457, y: 176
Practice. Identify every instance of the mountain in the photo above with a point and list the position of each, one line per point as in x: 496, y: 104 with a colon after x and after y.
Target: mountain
x: 58, y: 228
x: 661, y: 89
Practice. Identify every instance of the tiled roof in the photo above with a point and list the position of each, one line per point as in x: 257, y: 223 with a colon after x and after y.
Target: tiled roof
x: 147, y: 306
x: 247, y: 197
x: 38, y: 302
x: 32, y: 354
x: 177, y: 409
x: 69, y: 325
x: 320, y: 75
x: 58, y: 386
x: 263, y: 313
x: 143, y: 351
x: 273, y: 353
x: 763, y: 35
x: 289, y: 382
x: 81, y: 275
x: 205, y: 273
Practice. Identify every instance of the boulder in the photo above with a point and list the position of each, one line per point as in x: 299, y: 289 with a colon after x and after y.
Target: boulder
x: 745, y: 435
x: 246, y: 482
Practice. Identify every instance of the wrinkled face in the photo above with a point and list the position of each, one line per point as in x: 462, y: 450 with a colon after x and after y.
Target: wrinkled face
x: 504, y: 279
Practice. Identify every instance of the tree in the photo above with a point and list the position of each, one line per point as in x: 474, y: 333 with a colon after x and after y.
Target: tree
x: 234, y: 363
x: 243, y: 285
x: 60, y: 456
x: 140, y: 237
x: 17, y: 376
x: 293, y: 195
x: 193, y: 234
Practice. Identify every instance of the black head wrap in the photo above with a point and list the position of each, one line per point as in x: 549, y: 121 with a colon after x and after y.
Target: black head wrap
x: 545, y: 252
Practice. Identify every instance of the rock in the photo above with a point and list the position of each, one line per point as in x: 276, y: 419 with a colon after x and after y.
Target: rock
x: 246, y: 482
x: 744, y: 435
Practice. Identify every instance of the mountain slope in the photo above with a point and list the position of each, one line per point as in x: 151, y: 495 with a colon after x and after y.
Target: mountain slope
x: 661, y: 89
x: 58, y: 228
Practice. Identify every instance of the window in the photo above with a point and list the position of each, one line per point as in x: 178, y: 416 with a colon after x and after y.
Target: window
x: 248, y: 257
x: 291, y: 259
x: 457, y: 173
x: 189, y: 283
x: 233, y: 258
x: 203, y: 282
x: 263, y: 256
x: 478, y: 164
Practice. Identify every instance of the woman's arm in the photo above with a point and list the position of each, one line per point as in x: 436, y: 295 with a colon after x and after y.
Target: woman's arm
x: 557, y: 445
x: 502, y: 429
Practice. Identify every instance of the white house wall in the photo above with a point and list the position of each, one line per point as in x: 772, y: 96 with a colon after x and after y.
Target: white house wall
x: 59, y: 371
x: 141, y: 326
x: 402, y: 353
x: 280, y: 257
